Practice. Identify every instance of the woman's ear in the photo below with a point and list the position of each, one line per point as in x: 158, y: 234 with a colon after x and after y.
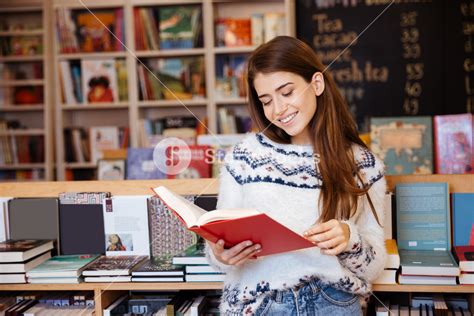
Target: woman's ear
x: 317, y: 81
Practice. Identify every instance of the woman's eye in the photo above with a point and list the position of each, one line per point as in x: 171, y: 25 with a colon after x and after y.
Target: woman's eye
x: 266, y: 102
x: 288, y: 93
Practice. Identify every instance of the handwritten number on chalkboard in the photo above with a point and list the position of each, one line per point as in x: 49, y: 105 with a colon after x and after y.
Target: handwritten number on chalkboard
x: 410, y: 35
x: 411, y: 106
x: 408, y: 18
x: 413, y: 89
x: 415, y: 71
x: 411, y: 51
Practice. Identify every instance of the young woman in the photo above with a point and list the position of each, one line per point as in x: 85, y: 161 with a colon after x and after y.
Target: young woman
x: 308, y: 169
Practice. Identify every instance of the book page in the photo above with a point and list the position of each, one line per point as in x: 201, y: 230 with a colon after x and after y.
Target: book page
x: 188, y: 211
x: 227, y: 214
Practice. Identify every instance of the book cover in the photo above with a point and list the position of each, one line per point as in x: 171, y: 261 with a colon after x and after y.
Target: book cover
x: 140, y: 165
x: 237, y: 32
x: 94, y: 30
x: 199, y: 165
x: 234, y: 226
x: 423, y: 216
x: 404, y: 144
x: 81, y: 229
x: 102, y: 138
x: 112, y: 265
x: 453, y: 143
x: 126, y: 226
x: 99, y: 80
x: 463, y: 219
x: 179, y: 26
x: 168, y: 236
x: 387, y: 276
x: 424, y: 229
x: 158, y: 267
x: 61, y: 266
x: 465, y: 257
x: 34, y: 218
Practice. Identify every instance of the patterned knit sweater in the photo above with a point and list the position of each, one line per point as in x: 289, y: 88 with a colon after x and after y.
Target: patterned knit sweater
x: 283, y: 181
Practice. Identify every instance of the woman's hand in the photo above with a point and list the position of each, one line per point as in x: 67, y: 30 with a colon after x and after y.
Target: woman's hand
x: 332, y: 236
x: 236, y: 255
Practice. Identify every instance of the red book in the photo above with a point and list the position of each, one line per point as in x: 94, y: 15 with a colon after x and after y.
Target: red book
x: 234, y: 225
x: 453, y: 136
x: 465, y: 256
x: 199, y: 166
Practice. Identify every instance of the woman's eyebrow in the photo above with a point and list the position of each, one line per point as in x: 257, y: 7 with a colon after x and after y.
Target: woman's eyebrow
x: 279, y: 88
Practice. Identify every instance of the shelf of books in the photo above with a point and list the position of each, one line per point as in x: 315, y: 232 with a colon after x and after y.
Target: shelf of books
x: 26, y: 149
x: 178, y: 269
x: 150, y: 61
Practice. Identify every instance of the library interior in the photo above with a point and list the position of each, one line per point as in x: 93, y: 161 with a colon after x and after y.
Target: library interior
x: 122, y: 121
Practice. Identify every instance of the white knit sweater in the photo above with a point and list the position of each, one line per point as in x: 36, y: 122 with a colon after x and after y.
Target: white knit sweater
x: 282, y: 181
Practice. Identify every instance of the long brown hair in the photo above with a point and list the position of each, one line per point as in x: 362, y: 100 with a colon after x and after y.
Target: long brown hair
x: 332, y: 129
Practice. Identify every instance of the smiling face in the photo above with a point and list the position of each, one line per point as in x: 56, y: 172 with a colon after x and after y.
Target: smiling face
x: 289, y: 101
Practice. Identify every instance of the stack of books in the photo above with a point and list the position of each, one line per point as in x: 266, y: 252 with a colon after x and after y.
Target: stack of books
x: 424, y: 234
x: 112, y: 269
x: 19, y: 256
x: 60, y: 269
x: 197, y: 266
x: 465, y: 256
x: 389, y: 274
x: 158, y: 270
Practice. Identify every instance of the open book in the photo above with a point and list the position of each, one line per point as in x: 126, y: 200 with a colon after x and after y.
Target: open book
x: 234, y: 225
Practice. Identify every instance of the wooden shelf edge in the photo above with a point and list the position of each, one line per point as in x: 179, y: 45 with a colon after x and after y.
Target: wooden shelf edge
x: 210, y: 286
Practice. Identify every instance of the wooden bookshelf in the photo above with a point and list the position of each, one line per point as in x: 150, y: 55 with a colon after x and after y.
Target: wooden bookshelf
x: 106, y: 293
x: 40, y: 114
x: 137, y: 109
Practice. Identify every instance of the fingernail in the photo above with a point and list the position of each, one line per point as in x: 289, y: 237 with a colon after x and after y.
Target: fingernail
x: 248, y: 243
x: 259, y: 250
x: 305, y: 233
x: 258, y: 247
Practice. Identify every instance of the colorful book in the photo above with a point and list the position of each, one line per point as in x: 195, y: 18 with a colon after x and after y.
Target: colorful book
x: 113, y: 266
x: 168, y: 236
x: 95, y: 30
x: 22, y: 250
x: 404, y: 144
x: 453, y: 143
x: 234, y: 226
x: 62, y: 267
x: 99, y: 80
x: 465, y: 256
x: 194, y: 161
x: 158, y: 267
x: 179, y: 26
x: 463, y: 219
x: 424, y: 229
x: 141, y: 166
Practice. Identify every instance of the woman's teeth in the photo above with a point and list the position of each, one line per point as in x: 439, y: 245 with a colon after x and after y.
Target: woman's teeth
x: 288, y: 118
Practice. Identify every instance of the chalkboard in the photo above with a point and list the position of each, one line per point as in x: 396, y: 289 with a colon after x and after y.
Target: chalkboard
x: 410, y: 57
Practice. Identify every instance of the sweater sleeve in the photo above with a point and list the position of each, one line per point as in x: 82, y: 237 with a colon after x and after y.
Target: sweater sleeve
x: 365, y: 254
x: 230, y: 196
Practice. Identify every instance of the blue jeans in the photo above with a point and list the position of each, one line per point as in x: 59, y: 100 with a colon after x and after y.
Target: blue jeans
x: 311, y: 299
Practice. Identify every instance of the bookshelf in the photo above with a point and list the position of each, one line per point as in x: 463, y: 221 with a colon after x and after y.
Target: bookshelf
x: 106, y: 293
x: 25, y: 96
x: 128, y: 113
